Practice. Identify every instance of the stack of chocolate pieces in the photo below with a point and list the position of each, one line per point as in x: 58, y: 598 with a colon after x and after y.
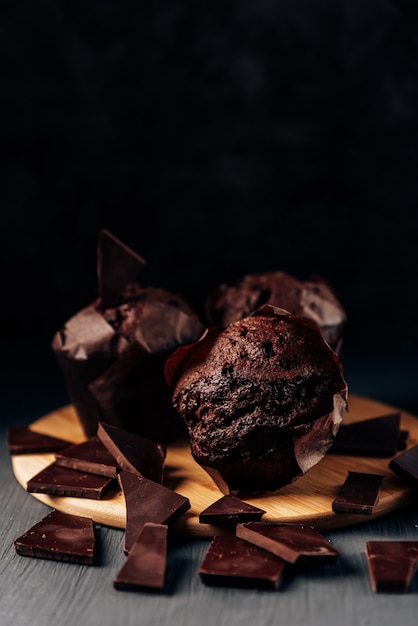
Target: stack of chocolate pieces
x: 258, y: 553
x: 86, y: 470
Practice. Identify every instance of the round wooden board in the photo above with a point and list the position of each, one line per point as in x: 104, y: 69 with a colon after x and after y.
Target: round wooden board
x: 307, y: 500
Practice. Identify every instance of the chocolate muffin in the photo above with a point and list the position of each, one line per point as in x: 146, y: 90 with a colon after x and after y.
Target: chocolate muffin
x: 262, y: 399
x: 113, y: 351
x: 313, y: 299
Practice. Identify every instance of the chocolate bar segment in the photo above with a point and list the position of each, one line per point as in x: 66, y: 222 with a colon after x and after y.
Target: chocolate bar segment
x: 232, y: 562
x: 62, y: 481
x: 405, y: 465
x: 148, y: 501
x: 117, y: 265
x: 60, y: 537
x: 133, y: 453
x: 359, y: 493
x: 145, y: 564
x: 89, y: 456
x: 291, y: 542
x: 23, y: 440
x: 391, y: 565
x: 377, y: 436
x: 230, y: 510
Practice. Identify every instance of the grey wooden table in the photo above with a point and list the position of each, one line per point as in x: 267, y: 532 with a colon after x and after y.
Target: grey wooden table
x: 40, y: 592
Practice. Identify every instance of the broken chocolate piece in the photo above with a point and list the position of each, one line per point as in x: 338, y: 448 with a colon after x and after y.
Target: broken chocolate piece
x: 406, y: 465
x: 148, y: 501
x: 89, y: 456
x: 23, y: 440
x: 358, y: 494
x: 145, y: 564
x: 60, y: 537
x: 377, y: 436
x: 230, y: 510
x: 62, y: 481
x: 232, y: 562
x: 117, y: 265
x: 291, y: 542
x: 133, y: 452
x: 391, y: 565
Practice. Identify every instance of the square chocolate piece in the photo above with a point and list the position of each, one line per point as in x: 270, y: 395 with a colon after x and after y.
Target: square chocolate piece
x: 359, y: 493
x: 391, y: 565
x: 60, y: 537
x: 232, y: 562
x: 89, y: 456
x: 62, y: 481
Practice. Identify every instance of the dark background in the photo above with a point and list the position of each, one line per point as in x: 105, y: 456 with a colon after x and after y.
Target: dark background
x: 216, y: 139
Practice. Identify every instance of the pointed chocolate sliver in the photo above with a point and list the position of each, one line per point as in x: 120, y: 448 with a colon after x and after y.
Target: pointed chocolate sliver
x: 377, y: 436
x: 62, y: 481
x: 60, y: 537
x: 358, y: 494
x: 405, y: 465
x: 117, y: 265
x: 291, y: 542
x: 230, y: 510
x: 391, y: 565
x: 23, y: 440
x: 232, y: 562
x: 89, y: 456
x: 132, y: 452
x: 148, y: 501
x: 145, y: 564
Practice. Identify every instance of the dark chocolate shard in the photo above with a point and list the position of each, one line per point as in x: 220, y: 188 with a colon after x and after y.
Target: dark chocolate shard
x: 145, y: 565
x: 134, y: 453
x: 89, y: 456
x: 377, y: 436
x: 60, y: 537
x: 391, y: 565
x: 62, y: 481
x: 230, y: 510
x: 117, y: 265
x: 148, y: 501
x: 291, y: 542
x: 23, y: 440
x: 405, y: 465
x: 359, y: 493
x: 232, y: 562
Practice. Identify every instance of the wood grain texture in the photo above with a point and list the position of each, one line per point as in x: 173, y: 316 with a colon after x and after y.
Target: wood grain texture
x: 308, y: 499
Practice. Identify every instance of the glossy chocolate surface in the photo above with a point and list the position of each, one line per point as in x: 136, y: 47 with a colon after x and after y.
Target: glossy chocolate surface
x: 391, y: 565
x: 291, y: 542
x: 232, y: 562
x: 60, y: 537
x: 230, y: 510
x: 63, y: 481
x: 358, y: 494
x: 133, y: 452
x: 148, y: 501
x: 89, y: 456
x: 145, y: 564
